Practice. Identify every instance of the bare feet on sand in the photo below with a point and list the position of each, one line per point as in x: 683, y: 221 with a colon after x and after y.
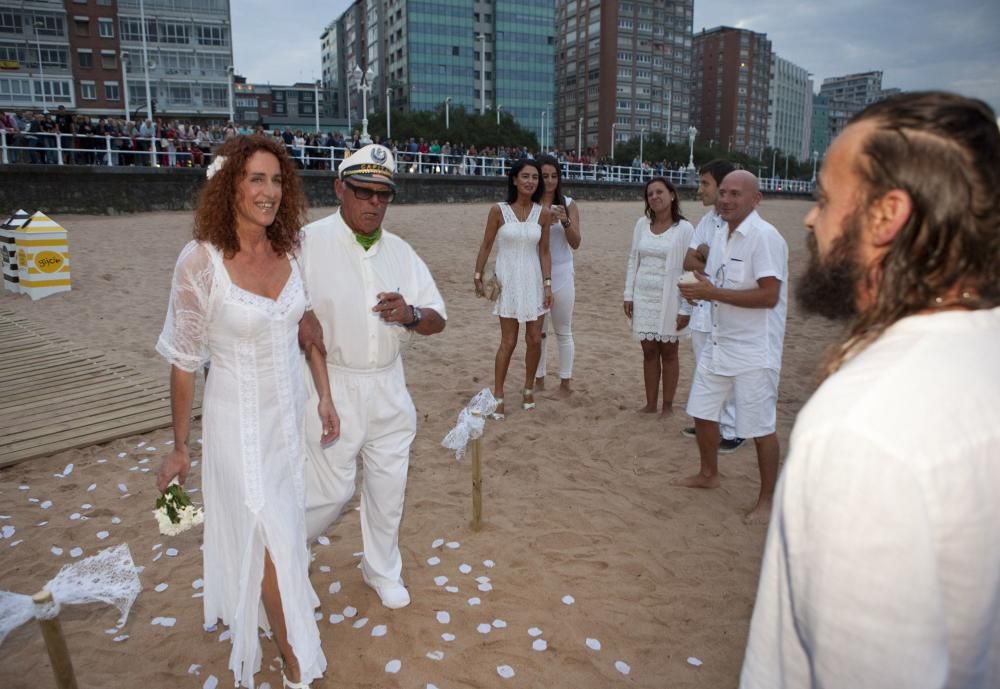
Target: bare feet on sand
x: 565, y: 389
x: 760, y: 514
x: 668, y: 410
x: 539, y: 383
x: 697, y: 481
x: 647, y: 409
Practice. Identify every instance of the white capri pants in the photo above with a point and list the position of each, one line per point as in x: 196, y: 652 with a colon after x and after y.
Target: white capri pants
x: 377, y: 422
x: 727, y: 420
x: 560, y: 319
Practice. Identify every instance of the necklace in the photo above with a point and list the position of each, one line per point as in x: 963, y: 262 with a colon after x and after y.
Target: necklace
x: 518, y: 212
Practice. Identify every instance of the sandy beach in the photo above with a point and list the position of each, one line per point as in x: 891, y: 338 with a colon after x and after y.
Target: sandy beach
x: 625, y: 578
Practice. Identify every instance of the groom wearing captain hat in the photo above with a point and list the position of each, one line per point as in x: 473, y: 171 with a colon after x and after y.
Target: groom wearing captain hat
x: 370, y: 292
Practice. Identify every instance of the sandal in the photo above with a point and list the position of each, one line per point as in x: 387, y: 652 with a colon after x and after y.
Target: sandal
x: 498, y: 415
x: 526, y: 405
x: 289, y: 684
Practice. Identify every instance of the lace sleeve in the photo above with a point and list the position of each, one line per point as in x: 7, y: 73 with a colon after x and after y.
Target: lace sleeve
x: 184, y: 339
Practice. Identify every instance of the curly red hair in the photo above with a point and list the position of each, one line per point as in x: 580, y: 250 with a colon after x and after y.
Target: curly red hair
x: 215, y: 215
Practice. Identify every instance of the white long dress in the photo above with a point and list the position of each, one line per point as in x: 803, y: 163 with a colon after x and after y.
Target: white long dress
x: 655, y: 263
x: 518, y: 267
x: 253, y: 454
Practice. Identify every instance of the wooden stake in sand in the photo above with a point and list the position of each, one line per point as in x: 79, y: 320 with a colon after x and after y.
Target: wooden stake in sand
x: 477, y: 481
x: 55, y: 642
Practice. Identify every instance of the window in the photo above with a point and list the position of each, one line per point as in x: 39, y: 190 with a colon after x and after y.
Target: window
x: 180, y: 94
x: 111, y: 91
x: 82, y: 25
x: 173, y: 33
x: 279, y: 108
x: 306, y: 109
x: 10, y: 22
x: 106, y: 28
x: 88, y: 91
x: 212, y: 35
x: 85, y: 58
x: 109, y: 60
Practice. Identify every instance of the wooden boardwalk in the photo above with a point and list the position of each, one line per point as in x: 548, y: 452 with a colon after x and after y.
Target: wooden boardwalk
x: 57, y: 396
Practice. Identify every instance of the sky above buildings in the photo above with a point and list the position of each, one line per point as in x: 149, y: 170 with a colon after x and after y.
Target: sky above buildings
x: 918, y: 44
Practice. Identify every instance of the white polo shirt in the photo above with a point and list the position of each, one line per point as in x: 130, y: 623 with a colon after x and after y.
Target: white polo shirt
x: 708, y: 226
x: 746, y: 339
x: 343, y: 279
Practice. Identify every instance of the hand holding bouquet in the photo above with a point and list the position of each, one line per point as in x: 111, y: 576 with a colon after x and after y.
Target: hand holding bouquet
x: 175, y: 512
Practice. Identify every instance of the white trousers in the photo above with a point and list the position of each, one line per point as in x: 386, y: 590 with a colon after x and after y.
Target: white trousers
x: 560, y: 319
x: 377, y: 422
x: 727, y: 422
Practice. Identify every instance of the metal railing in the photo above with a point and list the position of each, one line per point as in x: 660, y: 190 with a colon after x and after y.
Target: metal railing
x: 125, y: 150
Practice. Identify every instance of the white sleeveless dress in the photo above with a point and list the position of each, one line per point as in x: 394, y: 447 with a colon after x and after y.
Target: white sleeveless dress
x: 252, y: 455
x: 518, y: 268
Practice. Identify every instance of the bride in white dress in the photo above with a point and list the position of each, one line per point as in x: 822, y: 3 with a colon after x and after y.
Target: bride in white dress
x: 520, y: 228
x: 236, y: 300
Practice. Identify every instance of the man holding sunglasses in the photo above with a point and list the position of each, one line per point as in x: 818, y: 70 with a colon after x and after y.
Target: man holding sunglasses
x: 370, y: 292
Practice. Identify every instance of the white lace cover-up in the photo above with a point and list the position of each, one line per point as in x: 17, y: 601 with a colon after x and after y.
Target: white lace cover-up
x: 655, y: 263
x: 518, y: 267
x: 253, y: 454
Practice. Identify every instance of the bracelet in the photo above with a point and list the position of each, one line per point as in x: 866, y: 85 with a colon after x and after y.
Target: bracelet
x: 477, y: 276
x: 547, y: 282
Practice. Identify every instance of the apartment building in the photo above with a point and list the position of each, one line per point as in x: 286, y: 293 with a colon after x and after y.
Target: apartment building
x: 35, y: 68
x: 789, y: 116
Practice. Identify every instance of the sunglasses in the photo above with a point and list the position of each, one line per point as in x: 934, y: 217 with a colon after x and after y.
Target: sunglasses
x: 365, y: 194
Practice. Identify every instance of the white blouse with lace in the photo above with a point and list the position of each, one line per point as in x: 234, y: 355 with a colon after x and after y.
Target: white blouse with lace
x: 655, y: 263
x: 253, y: 455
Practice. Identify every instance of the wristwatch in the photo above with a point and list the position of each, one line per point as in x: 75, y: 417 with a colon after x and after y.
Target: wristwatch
x: 415, y: 311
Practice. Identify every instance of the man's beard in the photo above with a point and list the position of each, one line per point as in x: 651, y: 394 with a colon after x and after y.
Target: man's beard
x: 827, y: 288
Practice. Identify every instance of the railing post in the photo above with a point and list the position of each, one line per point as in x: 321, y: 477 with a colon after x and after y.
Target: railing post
x: 3, y: 147
x: 107, y: 148
x: 59, y: 158
x: 152, y: 151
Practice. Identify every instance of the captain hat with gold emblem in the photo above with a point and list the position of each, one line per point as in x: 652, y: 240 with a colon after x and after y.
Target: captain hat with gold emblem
x: 371, y: 163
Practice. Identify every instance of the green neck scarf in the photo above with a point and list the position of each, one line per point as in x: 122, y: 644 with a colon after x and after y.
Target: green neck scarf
x: 367, y: 240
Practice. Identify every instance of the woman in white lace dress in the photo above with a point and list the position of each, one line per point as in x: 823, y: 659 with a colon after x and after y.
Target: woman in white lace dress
x: 236, y: 299
x: 520, y: 228
x: 652, y: 300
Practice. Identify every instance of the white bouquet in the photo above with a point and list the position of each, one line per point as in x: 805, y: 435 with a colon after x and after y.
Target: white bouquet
x: 174, y: 511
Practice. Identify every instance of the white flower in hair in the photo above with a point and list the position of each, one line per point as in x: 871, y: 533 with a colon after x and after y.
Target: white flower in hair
x: 216, y: 165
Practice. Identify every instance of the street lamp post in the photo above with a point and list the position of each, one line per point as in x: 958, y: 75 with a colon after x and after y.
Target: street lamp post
x: 786, y: 167
x: 499, y: 108
x: 231, y: 75
x: 316, y: 102
x: 542, y: 142
x: 447, y: 112
x: 363, y: 81
x: 692, y: 133
x: 388, y: 113
x: 774, y: 155
x: 670, y: 114
x: 642, y: 135
x: 145, y: 67
x: 482, y: 76
x: 815, y: 157
x: 613, y: 126
x: 41, y: 67
x: 579, y: 138
x: 124, y: 58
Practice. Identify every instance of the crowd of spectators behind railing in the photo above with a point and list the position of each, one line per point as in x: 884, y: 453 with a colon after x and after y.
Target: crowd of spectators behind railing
x: 37, y: 138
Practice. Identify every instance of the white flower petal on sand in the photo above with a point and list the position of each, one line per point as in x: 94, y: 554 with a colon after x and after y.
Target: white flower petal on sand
x: 350, y: 611
x: 165, y: 621
x: 197, y: 583
x: 8, y: 531
x: 440, y: 580
x: 24, y: 486
x: 434, y: 561
x: 336, y: 619
x: 68, y: 470
x: 485, y: 587
x: 317, y: 615
x: 56, y: 550
x: 324, y: 568
x: 73, y: 517
x: 323, y: 540
x: 379, y: 630
x: 451, y: 589
x: 393, y: 666
x: 335, y: 587
x: 194, y: 669
x: 452, y: 544
x: 539, y: 644
x: 593, y: 644
x: 623, y: 667
x: 464, y: 568
x: 161, y: 587
x: 438, y: 542
x: 483, y: 579
x: 568, y: 599
x: 360, y: 622
x: 122, y: 487
x: 86, y: 506
x: 225, y: 636
x: 443, y: 617
x: 505, y: 671
x: 171, y: 552
x: 489, y: 564
x: 694, y: 661
x: 499, y: 624
x: 534, y: 631
x: 76, y: 552
x: 101, y: 535
x: 120, y: 638
x: 46, y: 505
x: 211, y: 683
x: 92, y: 487
x: 116, y: 520
x: 141, y: 443
x: 474, y: 600
x: 448, y: 637
x: 430, y: 686
x: 435, y: 655
x: 42, y: 523
x: 484, y: 628
x: 17, y: 542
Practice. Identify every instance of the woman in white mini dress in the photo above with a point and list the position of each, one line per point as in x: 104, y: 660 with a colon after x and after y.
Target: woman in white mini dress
x: 236, y: 299
x: 520, y: 228
x: 652, y: 301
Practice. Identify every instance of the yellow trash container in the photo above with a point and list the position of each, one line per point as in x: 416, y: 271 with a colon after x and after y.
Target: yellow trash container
x: 42, y: 257
x: 8, y: 250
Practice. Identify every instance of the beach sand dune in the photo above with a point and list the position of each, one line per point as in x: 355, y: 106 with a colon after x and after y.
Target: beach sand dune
x: 586, y: 551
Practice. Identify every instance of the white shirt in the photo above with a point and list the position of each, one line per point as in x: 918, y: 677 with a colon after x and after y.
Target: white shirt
x: 745, y: 339
x: 882, y: 562
x: 701, y: 312
x: 342, y: 280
